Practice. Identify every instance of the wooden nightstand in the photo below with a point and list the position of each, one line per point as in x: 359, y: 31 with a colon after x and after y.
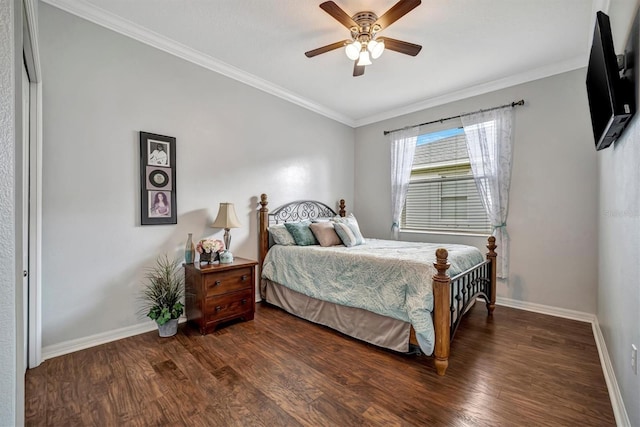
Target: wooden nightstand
x: 218, y: 293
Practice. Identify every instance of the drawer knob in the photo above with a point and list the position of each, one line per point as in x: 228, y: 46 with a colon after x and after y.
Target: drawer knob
x: 244, y: 301
x: 244, y: 277
x: 217, y: 283
x: 218, y: 307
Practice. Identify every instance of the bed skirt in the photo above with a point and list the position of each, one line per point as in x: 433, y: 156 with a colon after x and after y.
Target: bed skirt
x: 355, y: 322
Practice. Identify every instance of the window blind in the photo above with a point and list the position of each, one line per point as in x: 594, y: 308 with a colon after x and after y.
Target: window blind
x: 442, y: 194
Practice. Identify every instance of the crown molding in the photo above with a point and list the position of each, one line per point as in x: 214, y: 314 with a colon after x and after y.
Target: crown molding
x: 516, y: 79
x: 127, y: 28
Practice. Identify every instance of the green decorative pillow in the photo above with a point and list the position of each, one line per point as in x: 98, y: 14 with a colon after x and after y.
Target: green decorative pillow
x: 281, y: 236
x: 301, y: 233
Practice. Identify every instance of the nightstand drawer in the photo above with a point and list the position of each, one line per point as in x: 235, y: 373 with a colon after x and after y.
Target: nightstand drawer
x: 228, y: 305
x: 228, y: 281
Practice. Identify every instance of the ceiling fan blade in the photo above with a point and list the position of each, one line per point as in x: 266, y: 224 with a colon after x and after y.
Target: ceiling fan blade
x: 396, y: 12
x: 358, y: 70
x: 327, y: 48
x: 400, y: 46
x: 338, y: 14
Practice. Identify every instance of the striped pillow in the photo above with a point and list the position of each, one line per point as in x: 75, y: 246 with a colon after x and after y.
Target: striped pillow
x: 351, y: 224
x: 349, y: 234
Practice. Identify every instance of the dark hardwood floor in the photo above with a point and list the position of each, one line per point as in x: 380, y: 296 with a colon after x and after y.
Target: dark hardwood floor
x: 515, y: 369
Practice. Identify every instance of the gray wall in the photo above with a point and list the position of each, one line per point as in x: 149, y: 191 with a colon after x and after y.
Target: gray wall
x: 7, y: 215
x: 234, y: 142
x: 619, y: 238
x: 553, y: 200
x: 12, y: 338
x: 619, y: 254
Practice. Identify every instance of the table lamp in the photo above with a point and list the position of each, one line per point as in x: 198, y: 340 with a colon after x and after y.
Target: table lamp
x: 226, y: 219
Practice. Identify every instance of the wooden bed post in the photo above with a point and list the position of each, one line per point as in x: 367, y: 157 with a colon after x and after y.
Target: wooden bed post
x: 441, y: 312
x: 342, y: 212
x: 264, y: 234
x: 491, y: 256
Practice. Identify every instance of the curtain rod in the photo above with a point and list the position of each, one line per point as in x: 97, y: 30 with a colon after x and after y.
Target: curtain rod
x: 513, y: 104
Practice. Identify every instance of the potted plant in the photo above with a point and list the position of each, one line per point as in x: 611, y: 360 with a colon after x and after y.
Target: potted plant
x: 162, y: 295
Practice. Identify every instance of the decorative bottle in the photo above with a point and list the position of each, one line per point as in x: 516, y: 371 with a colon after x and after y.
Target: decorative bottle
x: 189, y: 250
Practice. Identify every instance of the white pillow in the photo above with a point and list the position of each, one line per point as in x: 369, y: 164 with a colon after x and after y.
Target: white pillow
x: 281, y: 235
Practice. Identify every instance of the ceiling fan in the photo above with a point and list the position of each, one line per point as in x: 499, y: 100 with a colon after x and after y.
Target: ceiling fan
x: 365, y: 26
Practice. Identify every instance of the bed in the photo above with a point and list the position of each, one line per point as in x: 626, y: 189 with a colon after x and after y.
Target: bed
x: 407, y: 297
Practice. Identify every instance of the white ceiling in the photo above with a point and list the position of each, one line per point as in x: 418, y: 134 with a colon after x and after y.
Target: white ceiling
x: 468, y: 46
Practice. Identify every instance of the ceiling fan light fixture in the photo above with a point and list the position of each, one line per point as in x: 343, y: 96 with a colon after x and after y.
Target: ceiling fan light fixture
x: 353, y: 50
x: 364, y: 58
x: 376, y: 48
x: 364, y: 45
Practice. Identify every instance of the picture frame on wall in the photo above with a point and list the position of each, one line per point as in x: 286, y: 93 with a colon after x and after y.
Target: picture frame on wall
x: 158, y: 203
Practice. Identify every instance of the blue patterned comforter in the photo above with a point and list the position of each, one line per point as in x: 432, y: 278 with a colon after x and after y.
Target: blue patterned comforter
x: 387, y: 277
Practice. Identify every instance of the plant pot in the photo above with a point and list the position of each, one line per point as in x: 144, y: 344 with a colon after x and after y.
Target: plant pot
x: 169, y: 329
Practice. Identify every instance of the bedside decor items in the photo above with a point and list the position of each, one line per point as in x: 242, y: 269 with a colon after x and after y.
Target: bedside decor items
x: 157, y: 179
x: 226, y: 257
x: 162, y: 295
x: 226, y: 219
x: 209, y: 250
x: 189, y: 250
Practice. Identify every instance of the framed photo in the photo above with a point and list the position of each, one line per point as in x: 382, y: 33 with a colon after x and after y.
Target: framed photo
x: 159, y: 204
x: 157, y: 179
x: 158, y: 153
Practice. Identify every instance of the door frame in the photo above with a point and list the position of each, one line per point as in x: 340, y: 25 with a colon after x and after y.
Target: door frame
x: 31, y: 53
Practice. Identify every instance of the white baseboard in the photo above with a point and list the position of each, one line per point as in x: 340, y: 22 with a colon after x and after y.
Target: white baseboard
x: 619, y: 410
x: 547, y: 309
x: 78, y: 344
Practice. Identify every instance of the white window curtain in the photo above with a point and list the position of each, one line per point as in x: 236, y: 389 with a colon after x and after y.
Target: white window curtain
x: 490, y: 144
x: 403, y: 147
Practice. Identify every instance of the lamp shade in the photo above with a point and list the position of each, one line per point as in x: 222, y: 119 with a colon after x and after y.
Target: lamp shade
x: 353, y: 50
x: 364, y: 58
x: 227, y: 217
x: 376, y: 48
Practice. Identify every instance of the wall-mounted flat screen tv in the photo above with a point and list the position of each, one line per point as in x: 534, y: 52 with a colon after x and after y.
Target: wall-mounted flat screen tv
x: 611, y: 95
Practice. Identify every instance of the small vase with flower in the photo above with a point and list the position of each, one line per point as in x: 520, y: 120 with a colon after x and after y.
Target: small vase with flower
x: 209, y: 250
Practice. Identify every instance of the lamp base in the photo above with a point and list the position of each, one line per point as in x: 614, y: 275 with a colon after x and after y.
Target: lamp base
x: 227, y: 239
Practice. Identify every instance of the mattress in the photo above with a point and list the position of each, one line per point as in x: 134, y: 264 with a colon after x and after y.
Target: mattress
x: 389, y: 278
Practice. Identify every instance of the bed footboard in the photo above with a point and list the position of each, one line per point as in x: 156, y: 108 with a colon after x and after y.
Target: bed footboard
x: 452, y: 297
x: 441, y: 313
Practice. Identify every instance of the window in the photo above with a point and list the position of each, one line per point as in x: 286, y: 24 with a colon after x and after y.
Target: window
x: 442, y: 194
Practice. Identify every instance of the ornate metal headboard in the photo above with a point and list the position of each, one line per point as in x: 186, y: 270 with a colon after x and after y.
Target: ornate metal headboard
x: 301, y: 210
x: 294, y: 211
